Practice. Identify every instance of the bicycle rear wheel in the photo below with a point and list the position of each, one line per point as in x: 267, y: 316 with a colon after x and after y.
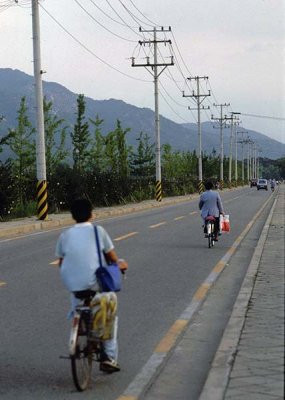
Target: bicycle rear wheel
x: 211, y: 241
x: 81, y: 361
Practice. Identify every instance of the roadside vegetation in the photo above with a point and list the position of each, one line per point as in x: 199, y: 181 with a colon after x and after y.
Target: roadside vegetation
x: 103, y: 168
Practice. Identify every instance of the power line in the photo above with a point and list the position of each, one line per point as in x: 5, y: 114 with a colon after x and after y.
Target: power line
x: 107, y: 15
x: 136, y: 19
x: 263, y: 116
x: 99, y: 23
x: 118, y: 15
x: 88, y: 50
x: 153, y: 23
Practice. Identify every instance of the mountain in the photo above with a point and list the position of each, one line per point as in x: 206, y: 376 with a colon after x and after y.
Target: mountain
x: 15, y: 84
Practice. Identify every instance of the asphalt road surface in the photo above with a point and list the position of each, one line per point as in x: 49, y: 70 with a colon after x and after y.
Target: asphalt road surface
x: 168, y: 260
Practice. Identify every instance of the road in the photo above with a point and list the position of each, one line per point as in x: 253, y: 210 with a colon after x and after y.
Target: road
x: 168, y: 259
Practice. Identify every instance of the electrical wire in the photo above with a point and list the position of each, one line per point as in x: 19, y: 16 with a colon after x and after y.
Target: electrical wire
x: 99, y: 23
x: 87, y: 49
x: 263, y: 116
x: 179, y: 116
x: 5, y: 4
x: 107, y: 15
x: 175, y: 42
x: 136, y: 19
x: 153, y: 23
x: 118, y: 15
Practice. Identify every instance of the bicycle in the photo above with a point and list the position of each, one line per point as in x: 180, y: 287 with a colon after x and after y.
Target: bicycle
x: 210, y: 230
x: 85, y: 342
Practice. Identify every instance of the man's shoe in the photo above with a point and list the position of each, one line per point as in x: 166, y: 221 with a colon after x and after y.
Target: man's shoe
x: 109, y: 366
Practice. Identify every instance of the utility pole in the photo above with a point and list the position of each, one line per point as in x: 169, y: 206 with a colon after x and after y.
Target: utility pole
x: 199, y: 98
x: 154, y: 67
x: 221, y: 121
x: 242, y: 142
x: 249, y: 142
x: 232, y: 118
x: 257, y: 164
x: 236, y: 153
x: 42, y: 206
x: 251, y: 160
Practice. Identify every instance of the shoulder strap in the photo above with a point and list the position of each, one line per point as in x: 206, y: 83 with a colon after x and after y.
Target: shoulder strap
x: 98, y: 245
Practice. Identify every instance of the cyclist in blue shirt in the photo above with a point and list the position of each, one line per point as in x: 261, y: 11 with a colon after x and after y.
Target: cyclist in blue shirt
x: 210, y: 204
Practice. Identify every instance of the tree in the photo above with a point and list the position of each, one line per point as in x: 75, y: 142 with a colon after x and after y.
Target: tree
x: 21, y: 141
x: 122, y: 149
x: 80, y: 137
x: 55, y: 137
x: 96, y: 154
x: 116, y: 151
x: 7, y: 188
x: 143, y: 161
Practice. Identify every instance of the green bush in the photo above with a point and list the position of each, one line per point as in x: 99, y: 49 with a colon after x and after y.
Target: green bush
x: 27, y: 209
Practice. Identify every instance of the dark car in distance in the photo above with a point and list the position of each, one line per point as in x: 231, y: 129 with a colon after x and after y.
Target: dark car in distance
x: 253, y: 182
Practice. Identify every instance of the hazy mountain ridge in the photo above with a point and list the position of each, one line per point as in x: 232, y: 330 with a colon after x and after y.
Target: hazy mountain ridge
x: 15, y: 84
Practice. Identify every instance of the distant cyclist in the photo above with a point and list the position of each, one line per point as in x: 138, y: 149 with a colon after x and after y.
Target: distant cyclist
x: 210, y: 204
x: 272, y: 184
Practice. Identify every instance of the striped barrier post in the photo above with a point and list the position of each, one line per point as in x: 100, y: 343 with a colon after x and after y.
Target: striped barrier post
x: 200, y: 187
x: 42, y: 206
x: 158, y: 191
x: 221, y: 185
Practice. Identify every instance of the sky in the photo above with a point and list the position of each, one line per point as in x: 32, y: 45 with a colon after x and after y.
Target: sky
x: 87, y: 45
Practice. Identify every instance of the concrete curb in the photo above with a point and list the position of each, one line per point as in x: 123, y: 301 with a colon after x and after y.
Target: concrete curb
x: 218, y: 377
x: 30, y: 225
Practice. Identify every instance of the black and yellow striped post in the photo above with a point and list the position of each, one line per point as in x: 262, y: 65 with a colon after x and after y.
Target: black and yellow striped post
x: 200, y: 187
x: 42, y: 206
x: 158, y: 191
x: 221, y: 185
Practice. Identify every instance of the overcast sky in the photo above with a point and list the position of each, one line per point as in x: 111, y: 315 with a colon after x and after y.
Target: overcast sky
x: 238, y: 44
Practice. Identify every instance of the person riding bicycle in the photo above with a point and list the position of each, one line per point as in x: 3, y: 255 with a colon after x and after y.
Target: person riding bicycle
x: 210, y: 204
x: 78, y: 261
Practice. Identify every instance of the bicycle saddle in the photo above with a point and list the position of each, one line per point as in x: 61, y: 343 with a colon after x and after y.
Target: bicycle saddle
x: 84, y: 294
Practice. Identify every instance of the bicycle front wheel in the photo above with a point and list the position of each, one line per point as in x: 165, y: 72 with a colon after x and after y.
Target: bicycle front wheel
x: 81, y: 360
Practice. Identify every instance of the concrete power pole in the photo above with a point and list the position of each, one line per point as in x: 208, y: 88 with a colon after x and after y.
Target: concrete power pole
x: 199, y: 98
x: 236, y: 154
x: 232, y: 119
x: 242, y: 142
x: 154, y: 67
x: 249, y: 142
x: 42, y: 206
x: 221, y: 121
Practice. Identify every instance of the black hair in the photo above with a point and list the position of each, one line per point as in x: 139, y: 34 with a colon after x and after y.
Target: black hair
x: 81, y: 210
x: 209, y: 185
